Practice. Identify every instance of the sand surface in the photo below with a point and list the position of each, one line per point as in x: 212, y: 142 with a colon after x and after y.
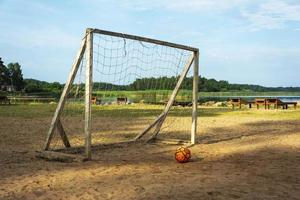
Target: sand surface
x: 236, y: 158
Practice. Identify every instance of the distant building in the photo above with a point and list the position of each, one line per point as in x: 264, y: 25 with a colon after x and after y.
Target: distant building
x: 8, y: 88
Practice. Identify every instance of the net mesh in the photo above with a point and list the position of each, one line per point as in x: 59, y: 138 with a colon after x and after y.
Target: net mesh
x: 132, y: 81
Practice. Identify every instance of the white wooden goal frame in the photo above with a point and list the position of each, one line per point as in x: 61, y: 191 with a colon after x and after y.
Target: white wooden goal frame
x: 87, y: 48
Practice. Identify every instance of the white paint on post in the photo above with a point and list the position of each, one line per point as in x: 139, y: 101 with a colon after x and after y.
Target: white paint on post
x: 195, y: 97
x: 88, y: 93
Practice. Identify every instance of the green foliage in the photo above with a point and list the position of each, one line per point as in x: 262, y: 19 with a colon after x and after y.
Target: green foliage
x: 107, y: 86
x: 11, y: 75
x: 159, y: 88
x: 32, y: 86
x: 36, y: 86
x: 205, y: 85
x: 4, y: 74
x: 16, y: 76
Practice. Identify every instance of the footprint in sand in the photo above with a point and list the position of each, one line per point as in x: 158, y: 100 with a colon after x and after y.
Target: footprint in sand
x: 139, y: 189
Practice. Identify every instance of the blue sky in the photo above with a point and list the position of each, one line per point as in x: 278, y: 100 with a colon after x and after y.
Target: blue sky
x: 242, y: 41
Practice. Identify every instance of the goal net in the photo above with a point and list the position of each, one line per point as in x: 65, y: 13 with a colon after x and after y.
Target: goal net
x: 126, y: 88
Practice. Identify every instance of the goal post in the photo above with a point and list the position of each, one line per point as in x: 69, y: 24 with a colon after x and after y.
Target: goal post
x: 88, y: 91
x: 159, y: 54
x: 195, y: 97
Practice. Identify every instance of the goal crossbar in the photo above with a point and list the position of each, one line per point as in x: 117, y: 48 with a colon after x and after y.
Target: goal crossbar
x: 145, y: 39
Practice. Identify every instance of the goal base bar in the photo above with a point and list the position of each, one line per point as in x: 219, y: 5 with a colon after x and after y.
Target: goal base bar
x: 72, y: 154
x: 170, y: 141
x: 59, y: 156
x: 81, y: 149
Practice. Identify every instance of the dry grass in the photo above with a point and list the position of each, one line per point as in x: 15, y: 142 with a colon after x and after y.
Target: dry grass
x: 243, y: 154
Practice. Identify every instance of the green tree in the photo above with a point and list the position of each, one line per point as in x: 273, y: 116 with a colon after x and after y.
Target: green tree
x: 55, y: 86
x: 33, y: 87
x: 16, y: 76
x: 4, y: 75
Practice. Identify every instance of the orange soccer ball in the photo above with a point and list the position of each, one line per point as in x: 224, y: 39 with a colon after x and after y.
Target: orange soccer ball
x: 182, y: 154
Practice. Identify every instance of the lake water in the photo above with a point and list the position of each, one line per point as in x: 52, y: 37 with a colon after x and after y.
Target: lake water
x: 226, y: 98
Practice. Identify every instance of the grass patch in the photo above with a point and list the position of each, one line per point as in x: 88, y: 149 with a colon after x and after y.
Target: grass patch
x: 140, y: 110
x: 27, y: 110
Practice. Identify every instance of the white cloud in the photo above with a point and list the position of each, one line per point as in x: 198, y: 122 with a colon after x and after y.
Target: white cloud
x: 193, y: 5
x: 272, y: 15
x: 182, y: 5
x: 255, y: 14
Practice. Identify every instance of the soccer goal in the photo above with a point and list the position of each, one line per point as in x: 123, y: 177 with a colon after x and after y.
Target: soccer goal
x: 128, y: 87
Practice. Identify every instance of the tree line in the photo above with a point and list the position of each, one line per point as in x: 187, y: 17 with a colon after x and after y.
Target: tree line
x: 204, y: 85
x: 160, y: 83
x: 11, y: 75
